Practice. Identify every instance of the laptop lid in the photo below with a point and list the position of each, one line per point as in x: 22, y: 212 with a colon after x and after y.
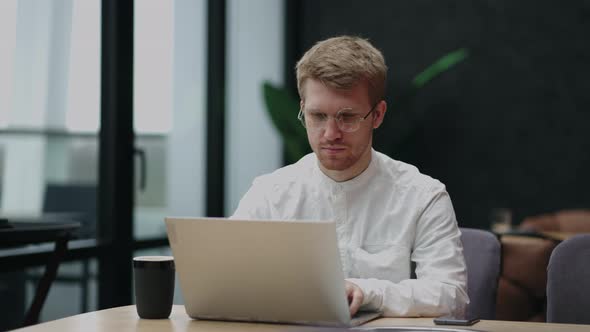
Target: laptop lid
x: 269, y: 271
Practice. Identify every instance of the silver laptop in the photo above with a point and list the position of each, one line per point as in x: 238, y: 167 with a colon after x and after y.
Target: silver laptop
x: 263, y: 271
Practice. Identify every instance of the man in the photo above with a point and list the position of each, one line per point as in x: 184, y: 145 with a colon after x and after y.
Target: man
x: 387, y: 213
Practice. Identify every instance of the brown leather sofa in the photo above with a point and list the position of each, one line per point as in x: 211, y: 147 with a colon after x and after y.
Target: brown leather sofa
x: 523, y: 276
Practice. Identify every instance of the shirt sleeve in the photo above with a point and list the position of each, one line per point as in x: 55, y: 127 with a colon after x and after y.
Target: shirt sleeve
x: 441, y: 284
x: 253, y: 204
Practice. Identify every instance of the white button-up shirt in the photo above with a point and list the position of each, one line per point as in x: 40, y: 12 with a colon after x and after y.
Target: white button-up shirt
x: 385, y: 217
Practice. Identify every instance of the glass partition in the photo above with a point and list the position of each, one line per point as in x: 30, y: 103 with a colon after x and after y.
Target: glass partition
x: 169, y: 70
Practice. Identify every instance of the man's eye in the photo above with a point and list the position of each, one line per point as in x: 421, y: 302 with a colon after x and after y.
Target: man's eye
x: 317, y: 116
x: 348, y: 117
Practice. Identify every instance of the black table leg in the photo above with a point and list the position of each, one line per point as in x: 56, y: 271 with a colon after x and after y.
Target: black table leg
x: 61, y: 246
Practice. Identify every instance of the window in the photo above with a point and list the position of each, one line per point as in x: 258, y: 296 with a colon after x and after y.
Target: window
x: 152, y: 97
x: 83, y: 97
x: 7, y: 48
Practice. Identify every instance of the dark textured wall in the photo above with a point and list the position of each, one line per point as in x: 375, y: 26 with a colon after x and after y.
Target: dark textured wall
x: 506, y: 128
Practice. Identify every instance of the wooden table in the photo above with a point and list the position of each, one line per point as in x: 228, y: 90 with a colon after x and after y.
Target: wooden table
x: 126, y: 319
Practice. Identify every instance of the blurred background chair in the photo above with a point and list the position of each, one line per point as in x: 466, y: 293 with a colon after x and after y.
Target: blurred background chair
x: 482, y: 256
x: 568, y: 282
x: 75, y: 201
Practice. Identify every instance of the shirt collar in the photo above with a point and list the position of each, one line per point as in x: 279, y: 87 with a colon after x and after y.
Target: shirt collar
x: 350, y: 185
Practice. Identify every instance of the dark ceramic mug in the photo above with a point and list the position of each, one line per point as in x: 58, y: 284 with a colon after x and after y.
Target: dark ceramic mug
x: 154, y: 286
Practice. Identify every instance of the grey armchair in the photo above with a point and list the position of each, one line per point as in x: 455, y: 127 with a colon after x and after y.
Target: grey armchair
x: 482, y: 256
x: 568, y: 281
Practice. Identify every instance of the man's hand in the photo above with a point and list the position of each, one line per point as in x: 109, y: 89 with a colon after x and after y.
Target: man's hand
x: 355, y: 297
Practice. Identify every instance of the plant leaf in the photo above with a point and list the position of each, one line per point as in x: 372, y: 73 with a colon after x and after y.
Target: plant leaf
x: 282, y: 108
x: 439, y: 66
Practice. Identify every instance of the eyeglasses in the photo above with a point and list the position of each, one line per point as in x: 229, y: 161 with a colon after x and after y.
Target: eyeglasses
x: 346, y: 119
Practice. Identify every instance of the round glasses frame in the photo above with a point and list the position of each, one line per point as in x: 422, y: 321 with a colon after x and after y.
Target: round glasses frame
x: 348, y: 127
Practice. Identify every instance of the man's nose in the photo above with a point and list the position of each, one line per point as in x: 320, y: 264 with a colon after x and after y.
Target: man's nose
x: 332, y: 132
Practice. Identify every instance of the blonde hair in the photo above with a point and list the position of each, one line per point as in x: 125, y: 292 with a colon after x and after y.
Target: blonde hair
x: 342, y: 63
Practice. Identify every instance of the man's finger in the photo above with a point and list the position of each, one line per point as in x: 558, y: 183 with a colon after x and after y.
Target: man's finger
x: 349, y: 290
x: 355, y: 303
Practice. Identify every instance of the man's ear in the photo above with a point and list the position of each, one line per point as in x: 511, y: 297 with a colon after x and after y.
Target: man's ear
x: 301, y: 104
x: 379, y: 114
